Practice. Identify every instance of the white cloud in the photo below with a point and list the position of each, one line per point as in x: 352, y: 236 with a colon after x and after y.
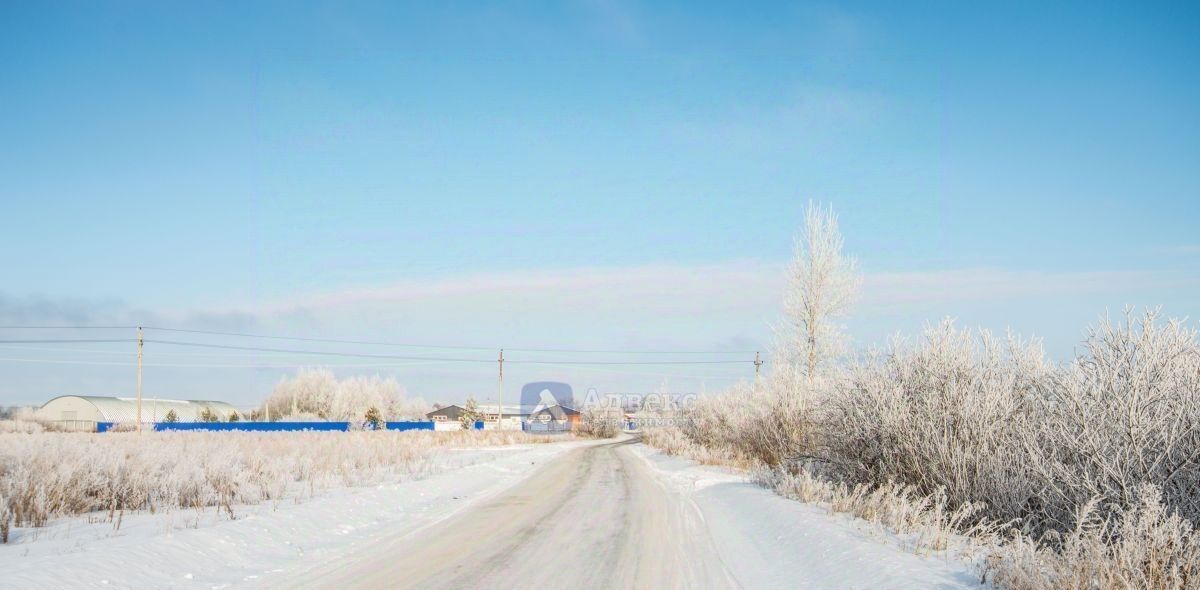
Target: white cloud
x: 724, y: 306
x: 982, y: 285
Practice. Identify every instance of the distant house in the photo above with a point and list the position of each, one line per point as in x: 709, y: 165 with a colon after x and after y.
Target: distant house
x: 82, y: 412
x: 513, y: 417
x: 556, y: 414
x: 554, y: 418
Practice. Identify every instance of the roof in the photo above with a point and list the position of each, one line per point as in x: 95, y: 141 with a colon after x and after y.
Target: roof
x: 124, y: 409
x: 556, y: 412
x: 453, y: 410
x: 508, y: 409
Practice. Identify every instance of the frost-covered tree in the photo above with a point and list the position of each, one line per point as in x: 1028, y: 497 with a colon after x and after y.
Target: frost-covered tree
x: 373, y: 417
x: 601, y: 421
x: 234, y: 417
x: 171, y: 417
x: 470, y: 414
x: 319, y: 394
x: 5, y: 519
x: 822, y: 283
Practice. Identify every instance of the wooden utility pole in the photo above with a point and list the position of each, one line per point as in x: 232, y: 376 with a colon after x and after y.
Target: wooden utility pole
x: 500, y: 394
x: 139, y: 381
x: 757, y: 364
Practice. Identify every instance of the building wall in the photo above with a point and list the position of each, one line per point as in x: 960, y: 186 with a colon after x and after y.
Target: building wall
x: 70, y: 409
x: 448, y: 413
x: 110, y: 409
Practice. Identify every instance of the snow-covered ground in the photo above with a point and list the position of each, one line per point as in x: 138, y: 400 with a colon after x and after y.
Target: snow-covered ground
x: 773, y: 542
x: 200, y: 550
x: 755, y: 538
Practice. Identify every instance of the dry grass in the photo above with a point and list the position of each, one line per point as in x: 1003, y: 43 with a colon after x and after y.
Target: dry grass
x: 1093, y: 464
x: 1145, y: 547
x: 601, y: 422
x: 672, y: 441
x: 51, y: 475
x: 928, y: 522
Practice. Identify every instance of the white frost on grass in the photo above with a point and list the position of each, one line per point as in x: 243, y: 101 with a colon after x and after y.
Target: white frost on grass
x: 772, y: 542
x: 149, y: 551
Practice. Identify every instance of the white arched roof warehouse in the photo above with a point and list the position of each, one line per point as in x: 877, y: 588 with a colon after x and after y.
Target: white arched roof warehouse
x: 90, y: 408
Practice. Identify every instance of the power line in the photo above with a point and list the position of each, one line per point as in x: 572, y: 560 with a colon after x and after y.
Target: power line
x: 320, y: 353
x: 68, y: 327
x: 309, y: 339
x: 436, y: 346
x: 132, y: 363
x: 442, y: 359
x: 568, y: 363
x: 380, y: 342
x: 602, y: 351
x: 68, y: 341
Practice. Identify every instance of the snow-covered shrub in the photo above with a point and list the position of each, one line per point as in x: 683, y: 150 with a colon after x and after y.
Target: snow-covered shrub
x: 928, y: 522
x: 668, y: 439
x: 602, y: 421
x: 672, y: 441
x: 770, y: 421
x: 5, y: 518
x: 470, y: 414
x: 373, y: 417
x: 1144, y: 546
x: 967, y: 429
x: 20, y: 426
x: 319, y: 394
x: 952, y: 415
x: 50, y: 475
x: 1123, y: 414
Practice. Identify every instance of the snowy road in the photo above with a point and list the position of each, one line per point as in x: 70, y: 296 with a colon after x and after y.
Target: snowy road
x: 617, y: 515
x: 591, y: 514
x: 595, y: 518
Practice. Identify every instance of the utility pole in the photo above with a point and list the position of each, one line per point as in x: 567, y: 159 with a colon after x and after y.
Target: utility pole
x: 757, y: 364
x: 139, y: 381
x: 500, y: 394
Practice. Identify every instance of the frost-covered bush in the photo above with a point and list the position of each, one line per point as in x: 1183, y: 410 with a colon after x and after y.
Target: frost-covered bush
x: 770, y: 421
x: 470, y: 414
x: 951, y: 415
x: 929, y: 522
x: 1123, y: 414
x: 20, y: 426
x: 50, y: 475
x: 1143, y: 546
x: 992, y: 422
x: 602, y: 421
x: 1094, y: 463
x: 317, y: 393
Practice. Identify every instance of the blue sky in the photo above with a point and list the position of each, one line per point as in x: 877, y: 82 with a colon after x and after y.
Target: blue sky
x: 414, y: 172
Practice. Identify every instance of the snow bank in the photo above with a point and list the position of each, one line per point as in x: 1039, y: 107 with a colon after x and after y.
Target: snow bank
x: 772, y: 542
x: 265, y: 543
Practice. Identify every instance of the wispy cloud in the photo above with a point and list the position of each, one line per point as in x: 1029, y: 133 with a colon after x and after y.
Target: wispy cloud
x: 592, y: 299
x: 982, y: 285
x: 725, y: 306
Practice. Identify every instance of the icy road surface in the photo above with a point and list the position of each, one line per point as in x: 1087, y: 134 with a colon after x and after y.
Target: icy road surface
x: 618, y: 515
